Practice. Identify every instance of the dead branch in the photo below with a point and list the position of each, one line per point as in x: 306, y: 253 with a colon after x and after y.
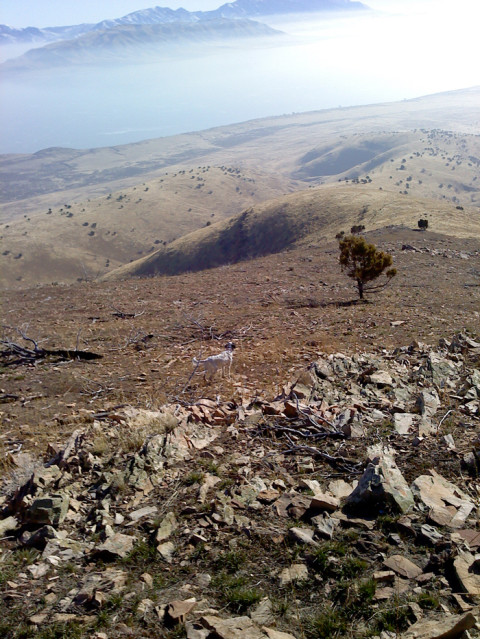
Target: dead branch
x: 124, y: 315
x: 14, y: 353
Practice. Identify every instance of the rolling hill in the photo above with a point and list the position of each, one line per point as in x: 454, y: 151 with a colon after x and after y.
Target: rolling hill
x: 305, y: 218
x: 73, y: 214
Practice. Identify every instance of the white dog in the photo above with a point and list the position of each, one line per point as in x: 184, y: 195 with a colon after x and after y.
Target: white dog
x: 214, y: 363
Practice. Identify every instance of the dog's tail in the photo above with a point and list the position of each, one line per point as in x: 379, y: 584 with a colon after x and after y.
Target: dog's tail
x: 196, y: 361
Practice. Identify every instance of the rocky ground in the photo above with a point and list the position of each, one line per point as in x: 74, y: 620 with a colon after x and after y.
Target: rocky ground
x: 329, y: 489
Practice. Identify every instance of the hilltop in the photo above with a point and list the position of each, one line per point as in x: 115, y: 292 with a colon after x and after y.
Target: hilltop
x: 304, y: 495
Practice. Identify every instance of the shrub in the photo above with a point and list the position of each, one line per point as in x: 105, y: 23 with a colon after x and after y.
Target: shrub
x: 363, y: 262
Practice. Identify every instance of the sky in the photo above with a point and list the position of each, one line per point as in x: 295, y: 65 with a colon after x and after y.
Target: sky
x: 50, y: 13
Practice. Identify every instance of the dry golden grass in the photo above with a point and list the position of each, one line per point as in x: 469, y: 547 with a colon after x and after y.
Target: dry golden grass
x: 425, y: 150
x: 307, y: 218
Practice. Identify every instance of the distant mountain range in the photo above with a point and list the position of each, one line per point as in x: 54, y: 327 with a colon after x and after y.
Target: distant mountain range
x: 132, y: 43
x: 163, y: 15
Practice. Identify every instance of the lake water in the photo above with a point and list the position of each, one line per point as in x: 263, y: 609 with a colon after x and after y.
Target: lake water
x: 332, y: 63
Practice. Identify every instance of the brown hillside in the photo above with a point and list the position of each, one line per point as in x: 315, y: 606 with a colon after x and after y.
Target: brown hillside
x: 308, y: 217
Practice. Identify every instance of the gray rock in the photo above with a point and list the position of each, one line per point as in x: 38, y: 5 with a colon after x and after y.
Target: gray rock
x: 167, y: 551
x: 7, y: 525
x: 195, y: 630
x: 441, y: 626
x: 382, y: 483
x: 142, y: 512
x: 48, y: 510
x: 325, y: 525
x: 438, y: 369
x: 234, y: 628
x: 447, y: 505
x: 302, y: 535
x: 467, y: 573
x: 61, y: 549
x: 119, y: 545
x: 167, y: 527
x: 428, y: 402
x: 263, y: 613
x: 296, y: 572
x: 403, y: 422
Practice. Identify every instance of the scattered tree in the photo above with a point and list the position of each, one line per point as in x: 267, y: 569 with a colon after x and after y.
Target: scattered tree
x: 357, y: 229
x: 363, y: 262
x: 422, y: 224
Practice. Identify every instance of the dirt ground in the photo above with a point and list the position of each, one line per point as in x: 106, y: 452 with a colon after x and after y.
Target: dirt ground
x: 281, y: 312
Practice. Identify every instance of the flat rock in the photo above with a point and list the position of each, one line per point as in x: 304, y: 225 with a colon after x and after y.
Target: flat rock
x: 268, y: 496
x: 234, y: 628
x: 322, y: 501
x: 167, y: 527
x: 178, y: 610
x: 10, y: 523
x: 302, y: 535
x: 467, y: 572
x: 118, y: 545
x: 263, y: 614
x: 447, y: 505
x: 166, y: 551
x: 340, y: 488
x: 142, y: 512
x: 403, y: 566
x: 277, y: 634
x: 296, y: 572
x: 380, y: 379
x: 441, y: 627
x: 403, y: 422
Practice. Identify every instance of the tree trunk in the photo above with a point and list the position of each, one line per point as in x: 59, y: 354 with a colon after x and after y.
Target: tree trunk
x: 360, y: 288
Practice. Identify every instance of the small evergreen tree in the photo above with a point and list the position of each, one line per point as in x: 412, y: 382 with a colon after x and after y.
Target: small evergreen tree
x: 363, y: 262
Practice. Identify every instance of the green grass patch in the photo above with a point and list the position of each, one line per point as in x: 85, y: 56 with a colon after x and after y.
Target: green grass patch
x: 234, y: 592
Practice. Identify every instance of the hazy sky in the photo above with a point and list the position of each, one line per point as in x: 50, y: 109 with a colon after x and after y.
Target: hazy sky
x: 50, y: 13
x: 43, y: 13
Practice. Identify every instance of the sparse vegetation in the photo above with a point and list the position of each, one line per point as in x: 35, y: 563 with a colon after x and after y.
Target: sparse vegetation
x: 364, y: 263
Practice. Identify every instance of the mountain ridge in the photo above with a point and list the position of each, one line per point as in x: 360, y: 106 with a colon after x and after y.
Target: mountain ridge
x: 127, y: 43
x: 164, y: 15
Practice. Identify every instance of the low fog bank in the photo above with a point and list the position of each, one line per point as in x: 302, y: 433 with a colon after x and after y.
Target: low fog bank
x: 325, y: 63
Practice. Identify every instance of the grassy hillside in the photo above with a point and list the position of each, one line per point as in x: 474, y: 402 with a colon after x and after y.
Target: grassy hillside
x: 71, y: 214
x: 307, y: 217
x: 79, y: 240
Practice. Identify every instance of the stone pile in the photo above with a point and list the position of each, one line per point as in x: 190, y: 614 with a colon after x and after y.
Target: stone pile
x: 120, y: 487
